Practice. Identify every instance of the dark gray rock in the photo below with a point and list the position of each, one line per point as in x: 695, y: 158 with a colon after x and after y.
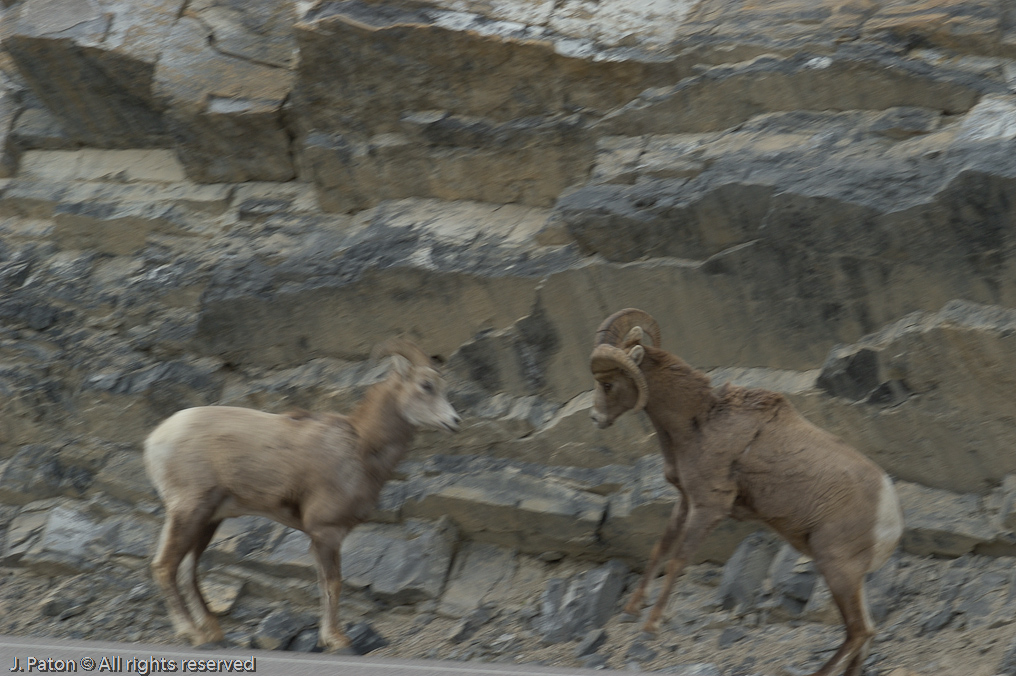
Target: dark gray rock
x: 100, y: 89
x: 224, y: 138
x: 513, y: 509
x: 306, y: 642
x: 240, y: 639
x: 279, y: 628
x: 238, y: 539
x: 943, y: 523
x: 640, y: 652
x: 63, y: 603
x: 936, y: 620
x: 71, y: 542
x: 592, y: 641
x: 133, y: 538
x: 1007, y: 509
x: 603, y: 587
x: 37, y: 128
x: 364, y: 638
x: 688, y: 106
x: 881, y: 590
x: 730, y: 636
x: 470, y: 624
x: 415, y: 568
x: 986, y: 597
x: 289, y: 557
x: 743, y: 574
x: 792, y: 580
x: 587, y: 602
x: 904, y: 122
x: 479, y: 570
x: 405, y: 40
x: 260, y: 31
x: 853, y: 376
x: 37, y: 472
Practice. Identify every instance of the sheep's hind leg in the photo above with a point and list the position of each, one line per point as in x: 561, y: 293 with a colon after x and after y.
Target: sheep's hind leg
x: 326, y: 544
x: 699, y: 523
x: 846, y: 582
x: 178, y: 534
x: 208, y: 624
x: 674, y: 530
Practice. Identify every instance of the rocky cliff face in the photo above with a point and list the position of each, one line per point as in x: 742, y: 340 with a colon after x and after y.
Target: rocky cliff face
x: 226, y: 202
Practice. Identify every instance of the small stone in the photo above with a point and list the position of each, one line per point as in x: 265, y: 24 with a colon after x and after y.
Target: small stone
x: 938, y: 620
x: 221, y: 593
x: 73, y: 611
x: 55, y: 604
x: 591, y: 643
x: 745, y: 570
x: 278, y: 629
x: 503, y: 643
x: 470, y: 624
x: 594, y: 661
x: 140, y: 591
x: 641, y: 652
x: 586, y: 602
x: 306, y: 642
x: 364, y: 638
x: 730, y: 636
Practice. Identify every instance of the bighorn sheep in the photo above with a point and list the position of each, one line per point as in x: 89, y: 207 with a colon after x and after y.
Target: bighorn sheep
x: 749, y: 454
x: 319, y: 473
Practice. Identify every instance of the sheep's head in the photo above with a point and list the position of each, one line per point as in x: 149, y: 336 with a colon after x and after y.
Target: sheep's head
x: 615, y: 363
x: 620, y: 383
x: 420, y: 390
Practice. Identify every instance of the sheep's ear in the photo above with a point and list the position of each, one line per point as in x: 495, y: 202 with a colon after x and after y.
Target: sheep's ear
x: 401, y: 365
x: 636, y: 353
x: 634, y: 336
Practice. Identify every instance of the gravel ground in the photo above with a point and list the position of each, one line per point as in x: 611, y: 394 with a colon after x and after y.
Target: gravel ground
x: 919, y: 634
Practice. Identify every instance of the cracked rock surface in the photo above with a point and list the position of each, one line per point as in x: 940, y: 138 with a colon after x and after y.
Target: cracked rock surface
x: 225, y: 202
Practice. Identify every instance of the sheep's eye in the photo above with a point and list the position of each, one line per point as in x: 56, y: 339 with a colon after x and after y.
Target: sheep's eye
x: 606, y: 387
x: 427, y: 387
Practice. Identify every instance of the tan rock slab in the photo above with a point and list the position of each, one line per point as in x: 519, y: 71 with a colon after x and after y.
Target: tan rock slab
x: 92, y: 164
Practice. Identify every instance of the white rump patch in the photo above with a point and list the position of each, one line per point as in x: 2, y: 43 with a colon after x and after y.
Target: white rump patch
x: 888, y: 524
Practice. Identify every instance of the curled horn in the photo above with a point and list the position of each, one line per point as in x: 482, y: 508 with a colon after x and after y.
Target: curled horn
x: 606, y: 357
x: 615, y: 327
x: 403, y: 348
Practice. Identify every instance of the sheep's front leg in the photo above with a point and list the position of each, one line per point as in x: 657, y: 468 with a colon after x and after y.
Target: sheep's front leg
x: 674, y: 530
x: 326, y: 543
x: 699, y: 523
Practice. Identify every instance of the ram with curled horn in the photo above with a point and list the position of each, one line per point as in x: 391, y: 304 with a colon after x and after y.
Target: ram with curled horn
x: 318, y: 473
x: 747, y: 453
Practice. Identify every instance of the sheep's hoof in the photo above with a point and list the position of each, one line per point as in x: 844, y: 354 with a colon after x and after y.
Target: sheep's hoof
x: 347, y: 650
x: 210, y: 632
x: 628, y: 617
